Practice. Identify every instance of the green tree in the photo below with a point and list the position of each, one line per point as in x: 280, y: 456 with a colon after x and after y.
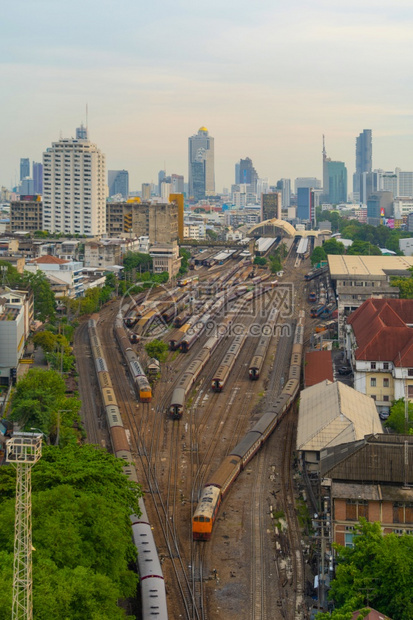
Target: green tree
x: 38, y: 398
x: 158, y: 349
x: 44, y: 298
x: 110, y: 280
x: 378, y: 565
x: 260, y: 261
x: 138, y: 261
x: 211, y: 234
x: 332, y: 246
x: 363, y: 248
x: 81, y: 532
x: 317, y: 255
x: 405, y: 285
x: 397, y: 418
x: 46, y: 340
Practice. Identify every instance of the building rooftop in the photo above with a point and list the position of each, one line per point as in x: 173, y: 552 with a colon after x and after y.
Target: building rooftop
x: 49, y: 260
x: 318, y: 367
x: 383, y: 331
x: 378, y: 458
x: 332, y: 414
x: 341, y: 266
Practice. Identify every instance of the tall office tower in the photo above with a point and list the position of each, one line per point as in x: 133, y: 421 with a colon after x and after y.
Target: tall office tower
x: 161, y: 177
x: 388, y: 182
x: 326, y: 160
x: 74, y: 188
x: 284, y: 185
x: 37, y: 177
x: 364, y: 159
x: 177, y: 183
x: 201, y: 164
x: 306, y: 204
x: 237, y: 177
x: 337, y: 182
x: 118, y: 181
x: 405, y: 183
x: 306, y: 182
x: 248, y: 174
x: 146, y: 191
x: 24, y: 168
x: 81, y: 132
x: 271, y: 206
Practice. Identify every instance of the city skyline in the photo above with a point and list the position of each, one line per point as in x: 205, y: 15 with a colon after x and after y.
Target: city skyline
x: 266, y: 83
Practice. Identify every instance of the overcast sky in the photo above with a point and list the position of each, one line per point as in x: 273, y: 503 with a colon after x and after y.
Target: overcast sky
x: 266, y: 77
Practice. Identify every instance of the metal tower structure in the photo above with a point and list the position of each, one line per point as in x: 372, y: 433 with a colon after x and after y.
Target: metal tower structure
x: 23, y: 451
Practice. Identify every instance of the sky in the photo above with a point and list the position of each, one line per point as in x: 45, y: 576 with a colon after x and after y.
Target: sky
x: 267, y: 78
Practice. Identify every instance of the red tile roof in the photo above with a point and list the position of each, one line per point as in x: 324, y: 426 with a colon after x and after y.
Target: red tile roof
x: 50, y: 260
x: 318, y: 367
x: 381, y: 330
x: 372, y: 615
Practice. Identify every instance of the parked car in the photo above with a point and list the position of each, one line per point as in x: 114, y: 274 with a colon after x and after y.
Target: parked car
x: 344, y: 370
x: 384, y: 415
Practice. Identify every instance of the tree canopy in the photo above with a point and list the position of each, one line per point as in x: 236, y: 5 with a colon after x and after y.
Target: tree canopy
x: 39, y: 401
x: 405, y: 285
x: 81, y: 502
x: 317, y: 255
x: 332, y: 246
x: 157, y: 349
x: 397, y: 417
x: 378, y: 568
x: 363, y: 248
x: 44, y: 298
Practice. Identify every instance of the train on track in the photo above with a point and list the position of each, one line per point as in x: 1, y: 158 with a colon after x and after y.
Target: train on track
x: 152, y: 584
x: 139, y: 378
x: 220, y: 482
x: 257, y: 361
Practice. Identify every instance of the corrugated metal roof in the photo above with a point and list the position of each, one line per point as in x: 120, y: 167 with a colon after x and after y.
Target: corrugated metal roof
x: 367, y: 265
x: 334, y: 413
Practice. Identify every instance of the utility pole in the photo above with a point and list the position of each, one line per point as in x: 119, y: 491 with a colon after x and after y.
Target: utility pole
x: 23, y: 451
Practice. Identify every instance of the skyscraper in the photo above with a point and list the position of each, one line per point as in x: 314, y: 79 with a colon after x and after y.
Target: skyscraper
x: 201, y: 164
x: 284, y: 185
x: 337, y: 182
x: 306, y: 203
x: 118, y: 181
x: 37, y: 177
x: 74, y: 192
x: 24, y: 168
x: 364, y: 160
x: 248, y: 174
x: 270, y: 206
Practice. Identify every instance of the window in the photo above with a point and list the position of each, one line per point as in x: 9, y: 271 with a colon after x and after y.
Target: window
x: 386, y: 382
x: 386, y: 398
x: 410, y: 372
x: 348, y: 540
x: 410, y: 391
x: 398, y: 512
x: 372, y: 365
x: 373, y: 382
x: 386, y: 366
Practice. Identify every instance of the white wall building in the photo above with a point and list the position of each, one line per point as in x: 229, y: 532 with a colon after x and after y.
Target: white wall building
x: 74, y: 187
x: 68, y: 272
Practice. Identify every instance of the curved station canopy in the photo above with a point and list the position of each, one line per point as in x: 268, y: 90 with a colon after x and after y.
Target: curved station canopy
x: 287, y: 228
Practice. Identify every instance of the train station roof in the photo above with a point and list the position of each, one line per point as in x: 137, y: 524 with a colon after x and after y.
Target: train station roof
x: 345, y: 266
x: 332, y: 414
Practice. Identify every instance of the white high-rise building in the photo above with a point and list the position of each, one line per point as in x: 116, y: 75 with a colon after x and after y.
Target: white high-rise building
x: 74, y: 187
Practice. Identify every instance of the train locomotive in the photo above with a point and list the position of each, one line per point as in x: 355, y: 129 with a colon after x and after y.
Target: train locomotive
x: 140, y: 380
x: 220, y: 482
x: 152, y: 584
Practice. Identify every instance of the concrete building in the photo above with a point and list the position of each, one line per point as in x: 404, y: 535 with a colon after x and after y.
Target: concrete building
x: 364, y: 161
x: 69, y: 273
x: 406, y: 246
x: 146, y: 191
x: 379, y: 204
x: 74, y: 192
x: 178, y: 199
x: 306, y: 204
x: 158, y: 221
x: 201, y: 164
x: 104, y: 253
x: 165, y: 257
x: 194, y: 229
x: 118, y: 182
x: 271, y: 206
x: 37, y: 178
x: 358, y: 278
x: 405, y: 187
x: 26, y: 214
x: 370, y: 478
x: 16, y: 317
x: 247, y: 174
x: 284, y: 186
x: 306, y: 182
x: 24, y: 168
x: 177, y: 184
x: 379, y: 344
x: 337, y: 182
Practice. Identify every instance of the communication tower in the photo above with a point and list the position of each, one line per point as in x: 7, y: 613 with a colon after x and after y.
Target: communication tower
x: 23, y: 451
